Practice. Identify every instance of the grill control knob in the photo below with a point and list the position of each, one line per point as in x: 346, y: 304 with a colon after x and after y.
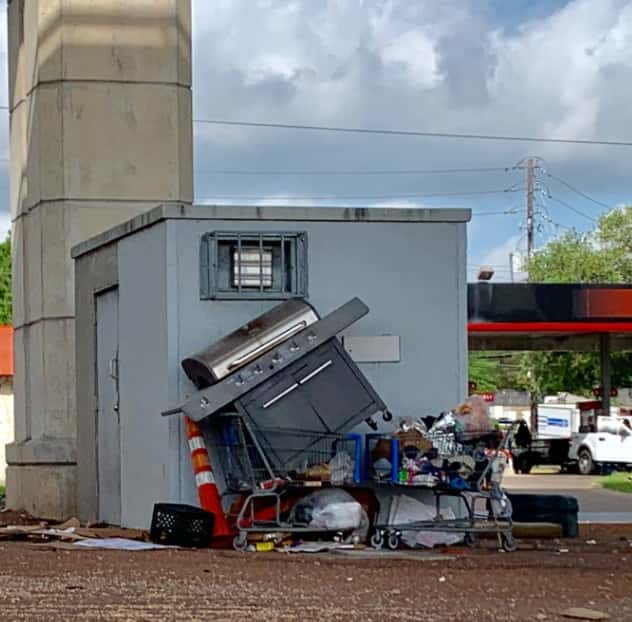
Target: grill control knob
x: 294, y: 347
x: 257, y: 370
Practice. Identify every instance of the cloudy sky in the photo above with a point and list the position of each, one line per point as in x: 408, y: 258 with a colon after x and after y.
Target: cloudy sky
x: 552, y: 68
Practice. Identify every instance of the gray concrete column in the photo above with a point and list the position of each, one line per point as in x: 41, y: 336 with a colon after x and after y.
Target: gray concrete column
x: 100, y: 102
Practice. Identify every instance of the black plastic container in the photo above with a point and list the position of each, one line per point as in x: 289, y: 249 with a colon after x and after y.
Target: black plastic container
x: 559, y: 509
x: 177, y: 524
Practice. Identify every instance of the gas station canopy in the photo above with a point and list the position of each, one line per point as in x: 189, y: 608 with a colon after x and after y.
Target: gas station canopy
x: 552, y: 317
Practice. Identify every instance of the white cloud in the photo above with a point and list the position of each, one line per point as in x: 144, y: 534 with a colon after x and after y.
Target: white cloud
x: 414, y: 53
x: 426, y: 65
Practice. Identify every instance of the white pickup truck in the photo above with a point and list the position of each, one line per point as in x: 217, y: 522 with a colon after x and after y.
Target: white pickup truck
x: 610, y: 445
x: 561, y: 440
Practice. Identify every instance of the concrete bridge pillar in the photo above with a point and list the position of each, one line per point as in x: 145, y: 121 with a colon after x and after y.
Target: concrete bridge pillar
x: 100, y: 104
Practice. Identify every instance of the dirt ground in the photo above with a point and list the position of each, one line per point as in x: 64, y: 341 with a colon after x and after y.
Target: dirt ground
x: 535, y: 583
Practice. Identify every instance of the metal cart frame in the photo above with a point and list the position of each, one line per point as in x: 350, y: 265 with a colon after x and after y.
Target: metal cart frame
x: 472, y: 526
x: 267, y: 471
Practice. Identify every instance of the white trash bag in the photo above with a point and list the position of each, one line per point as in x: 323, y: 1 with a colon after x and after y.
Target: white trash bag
x: 332, y: 509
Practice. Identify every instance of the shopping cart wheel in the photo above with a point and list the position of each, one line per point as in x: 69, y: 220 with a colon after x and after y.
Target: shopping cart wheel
x: 377, y: 539
x: 240, y: 542
x: 470, y: 540
x: 392, y: 542
x: 508, y: 542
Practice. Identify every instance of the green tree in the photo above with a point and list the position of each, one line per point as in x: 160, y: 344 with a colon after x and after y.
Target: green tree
x: 5, y: 281
x: 601, y: 256
x: 484, y: 371
x: 492, y: 371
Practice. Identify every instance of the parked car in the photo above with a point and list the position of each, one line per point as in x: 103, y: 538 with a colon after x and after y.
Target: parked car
x: 585, y: 451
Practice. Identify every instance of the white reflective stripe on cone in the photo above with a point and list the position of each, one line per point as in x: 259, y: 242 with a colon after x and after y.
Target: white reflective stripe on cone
x: 205, y: 477
x: 197, y: 442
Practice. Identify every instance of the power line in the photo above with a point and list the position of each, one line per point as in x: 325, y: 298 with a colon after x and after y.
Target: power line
x: 489, y: 169
x: 499, y: 213
x: 577, y: 191
x: 389, y: 132
x: 570, y: 207
x: 363, y: 197
x: 560, y: 225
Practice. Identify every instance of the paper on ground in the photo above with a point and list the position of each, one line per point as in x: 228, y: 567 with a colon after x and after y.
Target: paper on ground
x: 315, y: 547
x: 120, y: 544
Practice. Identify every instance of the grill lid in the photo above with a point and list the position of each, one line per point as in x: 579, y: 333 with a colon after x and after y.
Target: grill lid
x: 248, y: 342
x: 211, y: 399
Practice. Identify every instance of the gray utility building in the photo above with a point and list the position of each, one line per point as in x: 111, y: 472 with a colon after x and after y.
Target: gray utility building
x: 165, y: 285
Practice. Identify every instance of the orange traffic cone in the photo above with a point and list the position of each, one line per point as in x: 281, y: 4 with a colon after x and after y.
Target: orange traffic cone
x: 205, y: 482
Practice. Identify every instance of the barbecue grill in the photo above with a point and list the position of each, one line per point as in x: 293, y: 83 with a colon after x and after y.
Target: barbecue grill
x: 285, y: 369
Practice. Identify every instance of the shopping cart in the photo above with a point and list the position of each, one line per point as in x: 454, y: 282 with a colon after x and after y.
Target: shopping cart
x: 265, y: 464
x: 486, y: 507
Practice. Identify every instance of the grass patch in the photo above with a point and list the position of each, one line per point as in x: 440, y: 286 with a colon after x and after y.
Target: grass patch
x: 2, y: 490
x: 620, y: 482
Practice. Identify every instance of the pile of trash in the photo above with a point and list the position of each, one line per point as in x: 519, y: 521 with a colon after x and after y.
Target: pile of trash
x: 19, y: 526
x: 452, y: 450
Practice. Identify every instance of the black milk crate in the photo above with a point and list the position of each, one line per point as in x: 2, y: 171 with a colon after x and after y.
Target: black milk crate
x: 177, y: 524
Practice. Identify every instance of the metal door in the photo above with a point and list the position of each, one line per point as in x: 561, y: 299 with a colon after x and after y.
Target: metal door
x: 108, y: 416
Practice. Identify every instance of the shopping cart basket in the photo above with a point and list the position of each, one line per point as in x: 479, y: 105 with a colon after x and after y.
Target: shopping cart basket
x: 483, y: 504
x: 266, y: 463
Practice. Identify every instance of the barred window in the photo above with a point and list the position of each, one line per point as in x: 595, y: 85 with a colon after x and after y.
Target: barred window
x: 253, y: 265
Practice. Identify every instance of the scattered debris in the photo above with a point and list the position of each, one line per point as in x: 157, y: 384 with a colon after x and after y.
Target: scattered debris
x: 579, y: 613
x: 315, y: 547
x: 11, y: 517
x: 119, y: 544
x: 591, y: 541
x: 68, y: 531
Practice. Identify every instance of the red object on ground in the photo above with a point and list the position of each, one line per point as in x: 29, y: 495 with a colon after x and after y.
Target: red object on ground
x: 6, y: 350
x: 205, y: 482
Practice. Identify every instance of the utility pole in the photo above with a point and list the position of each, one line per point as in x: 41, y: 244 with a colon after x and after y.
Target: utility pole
x: 530, y: 192
x: 511, y: 266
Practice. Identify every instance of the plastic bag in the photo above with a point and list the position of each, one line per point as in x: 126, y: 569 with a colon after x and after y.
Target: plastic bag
x: 407, y: 424
x: 444, y: 423
x: 500, y: 503
x: 405, y: 509
x: 332, y: 509
x: 473, y: 417
x: 341, y: 468
x: 383, y: 468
